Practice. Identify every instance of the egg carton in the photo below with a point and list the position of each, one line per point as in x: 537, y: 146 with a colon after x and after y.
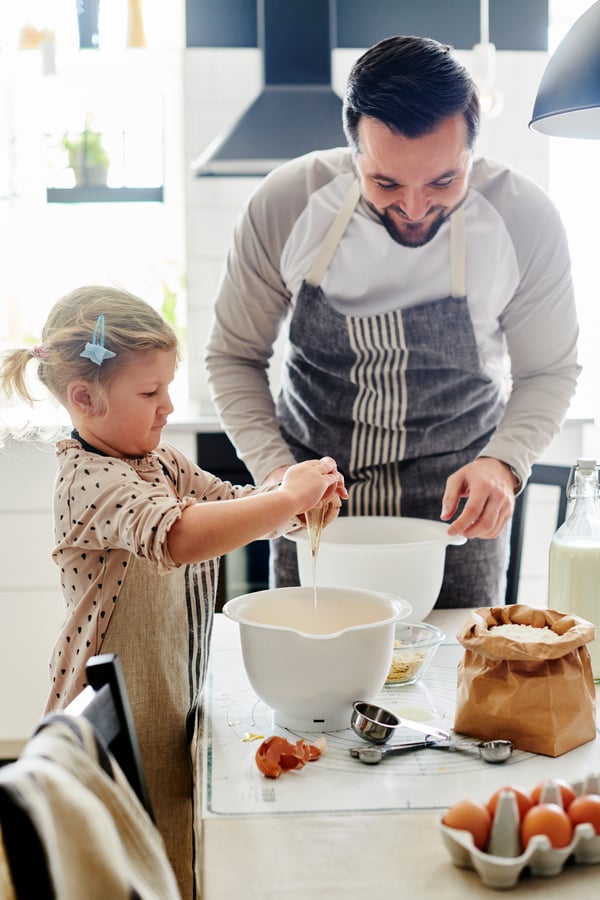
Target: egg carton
x: 503, y: 871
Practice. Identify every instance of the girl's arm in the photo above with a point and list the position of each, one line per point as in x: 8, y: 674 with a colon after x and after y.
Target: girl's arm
x: 209, y: 529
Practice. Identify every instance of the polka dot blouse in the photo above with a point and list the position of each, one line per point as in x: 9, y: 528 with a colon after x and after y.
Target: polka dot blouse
x: 105, y: 511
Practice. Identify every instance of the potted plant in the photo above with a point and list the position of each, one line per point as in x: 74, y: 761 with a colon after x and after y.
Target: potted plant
x: 87, y: 156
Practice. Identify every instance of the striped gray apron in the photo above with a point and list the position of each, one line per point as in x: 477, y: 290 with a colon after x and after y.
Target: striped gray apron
x: 401, y: 401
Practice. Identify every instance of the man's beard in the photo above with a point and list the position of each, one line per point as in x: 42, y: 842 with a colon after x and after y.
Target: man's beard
x: 414, y: 236
x: 411, y: 237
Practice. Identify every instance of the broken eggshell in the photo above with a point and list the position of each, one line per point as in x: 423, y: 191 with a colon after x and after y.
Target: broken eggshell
x: 276, y: 755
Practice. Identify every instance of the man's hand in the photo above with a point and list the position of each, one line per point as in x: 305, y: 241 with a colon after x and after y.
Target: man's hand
x: 489, y: 486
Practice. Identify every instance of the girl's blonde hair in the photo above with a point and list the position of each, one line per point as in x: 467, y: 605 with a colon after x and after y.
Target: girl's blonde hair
x: 130, y: 326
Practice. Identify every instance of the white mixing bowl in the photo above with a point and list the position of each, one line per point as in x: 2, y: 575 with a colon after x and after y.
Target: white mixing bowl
x: 399, y: 556
x: 309, y: 662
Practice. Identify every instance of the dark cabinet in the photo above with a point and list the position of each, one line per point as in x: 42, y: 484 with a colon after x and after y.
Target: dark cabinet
x: 215, y: 453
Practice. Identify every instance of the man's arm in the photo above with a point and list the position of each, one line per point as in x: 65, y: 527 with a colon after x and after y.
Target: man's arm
x: 540, y: 325
x: 250, y: 310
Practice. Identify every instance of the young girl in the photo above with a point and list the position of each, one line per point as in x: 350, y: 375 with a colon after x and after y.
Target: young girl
x: 139, y: 529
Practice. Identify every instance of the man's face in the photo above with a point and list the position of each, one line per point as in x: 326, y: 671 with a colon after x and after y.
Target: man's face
x: 413, y: 184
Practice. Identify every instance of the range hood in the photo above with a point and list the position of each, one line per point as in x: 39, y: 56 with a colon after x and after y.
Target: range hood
x: 297, y: 110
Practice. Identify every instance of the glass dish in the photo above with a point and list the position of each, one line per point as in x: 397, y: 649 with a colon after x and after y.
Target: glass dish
x: 415, y: 645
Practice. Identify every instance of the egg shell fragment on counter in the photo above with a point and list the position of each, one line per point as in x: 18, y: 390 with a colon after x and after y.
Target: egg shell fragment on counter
x: 276, y: 755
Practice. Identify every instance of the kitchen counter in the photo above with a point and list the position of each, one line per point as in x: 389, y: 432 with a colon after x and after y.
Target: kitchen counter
x: 351, y: 854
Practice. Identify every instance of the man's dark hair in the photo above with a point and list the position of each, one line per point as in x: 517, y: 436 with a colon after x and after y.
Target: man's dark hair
x: 411, y: 84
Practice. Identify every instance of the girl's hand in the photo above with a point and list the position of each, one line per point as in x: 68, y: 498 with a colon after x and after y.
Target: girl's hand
x: 332, y: 510
x: 313, y: 483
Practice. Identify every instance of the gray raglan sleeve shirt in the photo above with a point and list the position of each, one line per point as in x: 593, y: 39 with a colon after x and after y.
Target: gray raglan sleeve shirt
x: 538, y: 320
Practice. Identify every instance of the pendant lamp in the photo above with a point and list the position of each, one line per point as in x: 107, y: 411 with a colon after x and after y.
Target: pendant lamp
x: 568, y: 98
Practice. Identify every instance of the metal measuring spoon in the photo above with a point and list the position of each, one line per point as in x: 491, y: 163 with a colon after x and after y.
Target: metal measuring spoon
x: 376, y: 725
x: 373, y: 755
x: 489, y: 751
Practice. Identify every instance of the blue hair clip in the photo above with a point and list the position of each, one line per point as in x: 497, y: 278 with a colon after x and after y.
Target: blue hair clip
x: 96, y: 351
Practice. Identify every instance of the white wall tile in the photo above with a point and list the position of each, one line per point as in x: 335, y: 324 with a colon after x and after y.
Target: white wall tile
x: 207, y: 271
x: 210, y: 230
x: 342, y: 60
x: 224, y: 193
x: 200, y: 321
x: 222, y: 74
x: 23, y: 463
x: 28, y: 540
x: 218, y: 86
x: 35, y: 619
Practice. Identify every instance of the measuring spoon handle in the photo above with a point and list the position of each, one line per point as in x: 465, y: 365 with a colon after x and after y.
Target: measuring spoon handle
x: 422, y: 728
x: 392, y: 749
x: 373, y: 755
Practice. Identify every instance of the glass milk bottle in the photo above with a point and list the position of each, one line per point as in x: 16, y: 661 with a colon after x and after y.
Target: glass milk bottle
x: 574, y: 570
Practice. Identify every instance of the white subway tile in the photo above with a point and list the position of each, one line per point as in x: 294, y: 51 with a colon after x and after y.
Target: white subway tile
x: 204, y: 275
x: 210, y: 230
x: 222, y: 74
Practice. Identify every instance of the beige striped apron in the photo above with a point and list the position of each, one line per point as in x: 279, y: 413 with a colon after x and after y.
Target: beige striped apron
x: 161, y: 628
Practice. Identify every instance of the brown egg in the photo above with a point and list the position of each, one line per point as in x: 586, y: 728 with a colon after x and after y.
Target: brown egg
x: 468, y: 815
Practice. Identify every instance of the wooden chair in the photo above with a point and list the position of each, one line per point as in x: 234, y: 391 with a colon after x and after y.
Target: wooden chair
x: 105, y: 704
x: 556, y: 476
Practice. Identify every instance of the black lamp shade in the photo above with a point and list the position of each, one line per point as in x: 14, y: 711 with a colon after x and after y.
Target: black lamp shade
x: 568, y: 98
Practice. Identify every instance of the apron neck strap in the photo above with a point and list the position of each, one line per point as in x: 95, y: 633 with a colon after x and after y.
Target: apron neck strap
x: 458, y: 247
x: 333, y: 236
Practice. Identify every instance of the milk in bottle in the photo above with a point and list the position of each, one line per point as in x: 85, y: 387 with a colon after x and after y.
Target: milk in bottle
x: 574, y: 568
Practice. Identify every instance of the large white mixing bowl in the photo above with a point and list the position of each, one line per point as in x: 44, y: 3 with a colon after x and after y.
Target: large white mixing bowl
x: 309, y: 662
x: 399, y: 556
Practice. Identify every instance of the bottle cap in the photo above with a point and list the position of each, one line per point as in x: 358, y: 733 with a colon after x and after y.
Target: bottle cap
x: 587, y: 465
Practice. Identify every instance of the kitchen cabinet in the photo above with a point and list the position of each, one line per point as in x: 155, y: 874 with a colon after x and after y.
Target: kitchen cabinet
x: 246, y: 569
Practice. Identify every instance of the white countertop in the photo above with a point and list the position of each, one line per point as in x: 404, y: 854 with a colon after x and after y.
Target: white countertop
x: 354, y: 855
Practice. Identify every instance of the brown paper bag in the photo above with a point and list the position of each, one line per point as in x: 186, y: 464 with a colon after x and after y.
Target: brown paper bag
x: 539, y: 695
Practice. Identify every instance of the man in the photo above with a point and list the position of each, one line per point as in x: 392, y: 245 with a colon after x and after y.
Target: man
x: 431, y: 345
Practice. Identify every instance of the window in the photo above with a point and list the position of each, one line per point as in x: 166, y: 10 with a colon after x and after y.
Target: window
x: 52, y: 92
